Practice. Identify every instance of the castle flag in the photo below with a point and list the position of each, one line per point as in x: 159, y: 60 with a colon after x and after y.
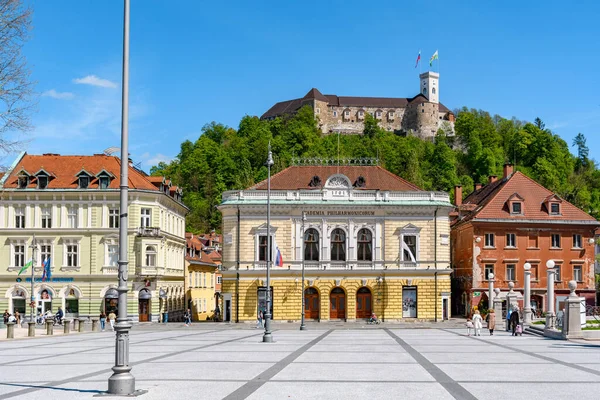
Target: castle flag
x: 418, y: 59
x: 435, y: 56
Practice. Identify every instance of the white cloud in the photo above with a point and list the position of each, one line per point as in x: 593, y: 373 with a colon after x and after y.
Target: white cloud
x: 58, y: 95
x: 95, y: 81
x: 151, y: 160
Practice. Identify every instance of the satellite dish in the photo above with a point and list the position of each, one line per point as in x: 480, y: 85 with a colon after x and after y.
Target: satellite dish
x: 111, y: 151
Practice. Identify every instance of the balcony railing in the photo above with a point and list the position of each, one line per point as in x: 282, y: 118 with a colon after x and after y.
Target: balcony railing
x: 339, y: 265
x: 146, y: 231
x: 145, y: 270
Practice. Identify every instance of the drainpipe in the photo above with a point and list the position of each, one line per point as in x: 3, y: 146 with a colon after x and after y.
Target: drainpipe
x: 435, y: 260
x: 237, y: 277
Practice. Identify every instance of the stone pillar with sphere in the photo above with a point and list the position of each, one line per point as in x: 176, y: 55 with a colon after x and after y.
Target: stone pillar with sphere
x: 498, y: 308
x: 550, y: 316
x: 490, y: 290
x: 572, y: 318
x: 527, y: 295
x: 511, y: 301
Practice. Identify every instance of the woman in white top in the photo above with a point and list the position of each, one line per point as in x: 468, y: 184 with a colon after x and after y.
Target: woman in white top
x: 477, y: 322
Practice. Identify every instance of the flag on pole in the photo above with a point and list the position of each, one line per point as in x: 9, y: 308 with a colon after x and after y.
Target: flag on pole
x: 47, y: 274
x: 418, y: 59
x: 435, y: 56
x: 24, y: 268
x: 278, y: 259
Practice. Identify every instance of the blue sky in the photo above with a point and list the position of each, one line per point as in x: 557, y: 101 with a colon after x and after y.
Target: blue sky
x: 193, y: 62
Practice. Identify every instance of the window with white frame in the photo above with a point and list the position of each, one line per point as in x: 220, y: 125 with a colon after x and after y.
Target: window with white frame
x: 113, y: 218
x: 47, y: 217
x: 212, y: 280
x: 72, y: 216
x: 511, y: 240
x: 577, y: 241
x: 146, y: 217
x: 490, y: 240
x: 338, y: 245
x: 45, y: 253
x: 555, y: 240
x: 20, y: 217
x: 263, y: 248
x: 112, y: 257
x: 19, y: 255
x: 219, y: 280
x: 409, y: 248
x: 72, y: 255
x: 557, y: 272
x: 489, y: 269
x: 577, y: 275
x: 196, y: 279
x: 510, y: 272
x: 365, y: 245
x: 42, y: 181
x: 150, y: 256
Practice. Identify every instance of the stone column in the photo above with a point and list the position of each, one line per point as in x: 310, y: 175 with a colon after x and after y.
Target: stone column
x: 49, y: 326
x: 572, y: 318
x: 75, y: 321
x: 491, y: 291
x: 81, y: 325
x: 67, y: 326
x: 527, y: 294
x: 31, y: 329
x: 10, y: 330
x: 498, y: 308
x: 95, y: 324
x: 550, y: 316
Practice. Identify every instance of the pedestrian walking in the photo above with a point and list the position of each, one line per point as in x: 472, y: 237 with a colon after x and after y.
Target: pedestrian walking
x: 477, y: 323
x: 102, y: 320
x: 491, y: 321
x: 514, y: 321
x: 18, y: 319
x: 469, y: 326
x: 508, y: 313
x: 111, y: 320
x: 5, y: 316
x: 259, y: 322
x: 188, y: 317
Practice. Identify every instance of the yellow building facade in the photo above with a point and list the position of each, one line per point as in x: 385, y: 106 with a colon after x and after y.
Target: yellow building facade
x: 200, y: 289
x: 369, y: 242
x: 65, y: 209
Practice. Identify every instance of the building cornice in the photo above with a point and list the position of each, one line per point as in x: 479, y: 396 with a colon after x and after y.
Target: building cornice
x: 536, y: 221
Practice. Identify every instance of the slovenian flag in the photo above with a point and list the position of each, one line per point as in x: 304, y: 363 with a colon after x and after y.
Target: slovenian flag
x: 418, y: 59
x: 278, y: 259
x: 47, y: 271
x: 435, y: 56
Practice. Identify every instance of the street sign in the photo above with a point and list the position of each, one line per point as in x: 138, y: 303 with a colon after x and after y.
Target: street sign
x: 19, y: 279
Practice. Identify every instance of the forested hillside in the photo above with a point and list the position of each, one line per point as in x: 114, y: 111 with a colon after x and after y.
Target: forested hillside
x: 224, y: 158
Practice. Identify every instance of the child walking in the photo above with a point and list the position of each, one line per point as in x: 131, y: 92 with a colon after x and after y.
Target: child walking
x: 469, y: 325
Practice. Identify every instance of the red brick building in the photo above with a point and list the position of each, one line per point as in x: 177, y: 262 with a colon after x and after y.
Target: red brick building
x: 509, y: 222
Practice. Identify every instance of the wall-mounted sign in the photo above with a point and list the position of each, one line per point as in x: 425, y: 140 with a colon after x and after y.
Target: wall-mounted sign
x: 340, y: 212
x: 58, y: 279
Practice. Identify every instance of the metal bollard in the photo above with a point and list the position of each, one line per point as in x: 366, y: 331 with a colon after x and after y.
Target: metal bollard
x: 31, y: 330
x: 81, y: 322
x: 67, y: 326
x: 49, y: 326
x: 10, y: 330
x: 75, y: 323
x: 95, y: 325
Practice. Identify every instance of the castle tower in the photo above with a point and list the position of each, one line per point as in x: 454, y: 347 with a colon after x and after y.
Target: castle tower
x: 430, y: 87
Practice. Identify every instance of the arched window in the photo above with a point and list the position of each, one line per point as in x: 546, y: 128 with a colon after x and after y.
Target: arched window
x: 365, y: 245
x: 150, y: 256
x: 338, y: 245
x: 425, y: 90
x: 433, y: 90
x: 311, y: 245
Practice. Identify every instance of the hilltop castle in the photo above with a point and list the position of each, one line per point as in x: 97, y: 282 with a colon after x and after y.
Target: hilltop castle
x: 421, y: 115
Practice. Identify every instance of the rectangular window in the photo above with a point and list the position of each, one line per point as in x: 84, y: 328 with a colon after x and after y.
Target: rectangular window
x: 489, y: 269
x: 196, y: 279
x: 72, y: 216
x: 113, y: 255
x: 510, y: 272
x: 347, y: 114
x: 577, y: 241
x: 409, y: 248
x: 20, y: 217
x: 212, y: 280
x: 555, y: 209
x: 511, y: 240
x: 490, y: 240
x: 516, y: 208
x: 72, y: 255
x: 84, y: 182
x: 104, y: 182
x: 577, y: 276
x: 557, y: 274
x: 555, y: 237
x: 262, y: 248
x: 42, y: 182
x: 534, y: 272
x: 113, y: 218
x: 45, y: 253
x: 23, y: 181
x: 19, y: 255
x: 203, y: 279
x: 146, y: 217
x: 317, y: 111
x: 47, y: 217
x: 335, y: 114
x: 219, y: 279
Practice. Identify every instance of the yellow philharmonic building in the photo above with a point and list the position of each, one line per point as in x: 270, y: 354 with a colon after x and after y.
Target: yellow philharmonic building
x: 369, y: 242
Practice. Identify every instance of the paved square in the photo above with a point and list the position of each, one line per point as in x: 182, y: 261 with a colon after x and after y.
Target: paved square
x: 229, y: 362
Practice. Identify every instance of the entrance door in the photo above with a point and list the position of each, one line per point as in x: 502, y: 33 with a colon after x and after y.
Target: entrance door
x: 227, y: 316
x: 311, y: 303
x: 337, y: 304
x: 363, y: 303
x: 409, y: 302
x: 445, y: 309
x: 144, y: 309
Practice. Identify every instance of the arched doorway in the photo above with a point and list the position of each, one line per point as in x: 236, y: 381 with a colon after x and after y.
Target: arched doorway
x: 111, y: 301
x: 337, y: 301
x: 311, y: 303
x: 363, y: 303
x: 44, y: 301
x: 71, y: 303
x: 144, y: 305
x: 18, y: 298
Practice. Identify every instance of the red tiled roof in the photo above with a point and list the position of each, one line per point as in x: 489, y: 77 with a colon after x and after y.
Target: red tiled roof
x: 64, y: 170
x: 491, y: 201
x: 299, y: 177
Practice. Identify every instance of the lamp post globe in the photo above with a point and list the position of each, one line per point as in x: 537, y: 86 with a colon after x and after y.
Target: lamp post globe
x: 527, y: 266
x: 491, y: 276
x: 550, y: 264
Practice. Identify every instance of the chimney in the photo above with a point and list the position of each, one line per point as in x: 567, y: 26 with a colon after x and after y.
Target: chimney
x: 478, y: 186
x: 492, y: 178
x: 508, y: 170
x: 458, y: 195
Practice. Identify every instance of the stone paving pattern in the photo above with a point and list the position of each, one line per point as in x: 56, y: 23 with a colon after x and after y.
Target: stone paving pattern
x: 328, y: 362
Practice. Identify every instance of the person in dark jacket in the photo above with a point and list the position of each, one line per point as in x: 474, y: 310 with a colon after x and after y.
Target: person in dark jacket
x: 514, y: 320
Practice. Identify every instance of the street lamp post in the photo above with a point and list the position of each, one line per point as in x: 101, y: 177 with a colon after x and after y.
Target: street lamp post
x: 122, y: 381
x: 267, y: 336
x: 302, y: 326
x: 33, y: 248
x: 550, y: 295
x: 491, y: 290
x: 527, y: 305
